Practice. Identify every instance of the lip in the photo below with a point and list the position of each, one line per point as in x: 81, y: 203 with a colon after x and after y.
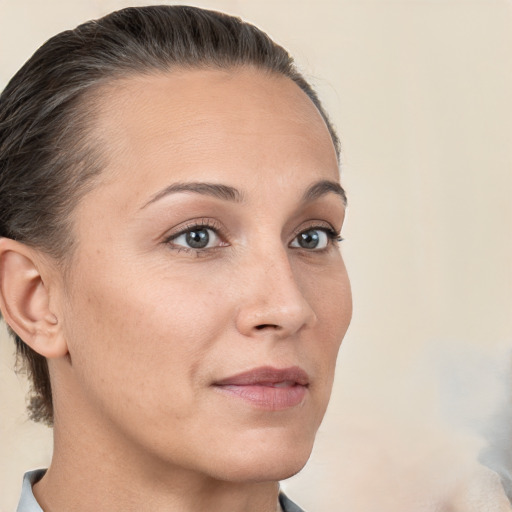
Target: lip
x: 267, y: 388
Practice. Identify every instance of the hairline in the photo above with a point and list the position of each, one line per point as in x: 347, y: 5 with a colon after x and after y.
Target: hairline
x: 92, y: 101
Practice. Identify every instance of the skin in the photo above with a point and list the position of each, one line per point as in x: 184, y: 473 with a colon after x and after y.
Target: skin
x: 144, y: 326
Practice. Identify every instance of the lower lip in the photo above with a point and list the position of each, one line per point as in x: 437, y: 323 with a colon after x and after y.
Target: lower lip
x: 268, y: 397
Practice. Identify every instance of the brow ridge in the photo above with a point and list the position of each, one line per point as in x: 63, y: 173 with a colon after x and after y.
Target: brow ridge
x: 224, y: 192
x: 228, y: 193
x: 322, y: 188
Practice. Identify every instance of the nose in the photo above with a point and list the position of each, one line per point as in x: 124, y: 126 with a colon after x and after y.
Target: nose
x: 272, y: 301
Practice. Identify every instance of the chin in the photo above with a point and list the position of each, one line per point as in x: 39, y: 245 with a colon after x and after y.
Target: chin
x: 262, y: 472
x: 264, y: 463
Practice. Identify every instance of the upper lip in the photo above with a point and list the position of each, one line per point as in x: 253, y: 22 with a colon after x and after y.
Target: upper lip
x: 266, y: 375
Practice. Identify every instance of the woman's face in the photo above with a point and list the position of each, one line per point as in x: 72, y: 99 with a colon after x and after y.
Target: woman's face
x: 208, y: 297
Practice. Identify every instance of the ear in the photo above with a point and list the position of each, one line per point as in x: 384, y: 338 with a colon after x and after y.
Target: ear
x: 25, y: 300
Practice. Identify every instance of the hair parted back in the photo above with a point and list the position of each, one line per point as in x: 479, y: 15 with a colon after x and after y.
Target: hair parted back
x: 48, y: 159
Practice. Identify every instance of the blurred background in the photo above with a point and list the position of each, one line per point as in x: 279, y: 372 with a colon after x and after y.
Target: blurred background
x: 421, y: 94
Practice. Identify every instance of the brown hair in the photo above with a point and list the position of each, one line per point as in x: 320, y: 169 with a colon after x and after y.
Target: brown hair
x: 47, y: 161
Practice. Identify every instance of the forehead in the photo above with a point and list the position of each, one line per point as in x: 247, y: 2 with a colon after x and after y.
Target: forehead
x: 236, y: 121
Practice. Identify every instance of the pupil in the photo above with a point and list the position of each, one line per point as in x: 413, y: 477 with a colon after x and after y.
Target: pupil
x: 198, y: 239
x: 309, y: 239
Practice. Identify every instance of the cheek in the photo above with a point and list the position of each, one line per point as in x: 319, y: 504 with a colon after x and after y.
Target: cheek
x: 142, y: 335
x: 329, y: 294
x: 334, y: 312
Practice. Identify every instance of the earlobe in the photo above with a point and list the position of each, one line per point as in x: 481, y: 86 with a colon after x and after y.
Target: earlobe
x: 25, y: 301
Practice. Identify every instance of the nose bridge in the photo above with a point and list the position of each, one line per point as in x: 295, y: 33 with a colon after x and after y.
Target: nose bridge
x: 273, y: 297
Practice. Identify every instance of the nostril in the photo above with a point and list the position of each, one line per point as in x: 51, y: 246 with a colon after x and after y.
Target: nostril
x: 265, y: 326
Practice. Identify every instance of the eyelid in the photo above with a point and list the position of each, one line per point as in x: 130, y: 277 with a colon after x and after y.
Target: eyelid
x: 333, y: 237
x: 316, y: 224
x: 222, y: 234
x: 192, y: 224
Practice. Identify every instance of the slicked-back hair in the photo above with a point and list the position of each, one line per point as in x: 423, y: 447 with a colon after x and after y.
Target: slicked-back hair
x: 48, y: 155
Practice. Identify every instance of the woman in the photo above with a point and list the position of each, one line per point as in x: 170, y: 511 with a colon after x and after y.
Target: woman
x: 170, y: 211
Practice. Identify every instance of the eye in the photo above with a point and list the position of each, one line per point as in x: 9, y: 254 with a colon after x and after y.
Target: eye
x: 196, y: 237
x: 315, y: 239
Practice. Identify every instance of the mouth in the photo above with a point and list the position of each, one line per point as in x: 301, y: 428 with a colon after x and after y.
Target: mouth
x: 267, y: 388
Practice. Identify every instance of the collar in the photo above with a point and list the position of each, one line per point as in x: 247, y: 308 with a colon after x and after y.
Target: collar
x: 27, y: 501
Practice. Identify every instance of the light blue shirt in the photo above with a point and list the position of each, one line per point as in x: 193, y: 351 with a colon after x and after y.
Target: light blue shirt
x: 27, y: 501
x: 29, y: 504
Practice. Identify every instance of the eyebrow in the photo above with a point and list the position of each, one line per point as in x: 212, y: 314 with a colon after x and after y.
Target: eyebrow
x: 228, y: 193
x: 224, y: 192
x: 321, y: 188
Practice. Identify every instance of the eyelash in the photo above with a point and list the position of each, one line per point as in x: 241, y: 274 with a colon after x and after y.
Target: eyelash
x: 195, y: 226
x: 334, y: 238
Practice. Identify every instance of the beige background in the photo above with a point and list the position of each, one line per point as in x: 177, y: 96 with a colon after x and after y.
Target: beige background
x: 421, y: 92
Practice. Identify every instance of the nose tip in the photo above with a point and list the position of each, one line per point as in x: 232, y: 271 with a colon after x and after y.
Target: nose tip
x: 274, y: 304
x: 282, y: 321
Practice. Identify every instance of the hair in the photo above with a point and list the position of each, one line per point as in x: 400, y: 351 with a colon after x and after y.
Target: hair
x: 48, y: 159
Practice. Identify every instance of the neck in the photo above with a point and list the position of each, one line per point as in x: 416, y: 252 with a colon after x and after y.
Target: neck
x: 113, y: 476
